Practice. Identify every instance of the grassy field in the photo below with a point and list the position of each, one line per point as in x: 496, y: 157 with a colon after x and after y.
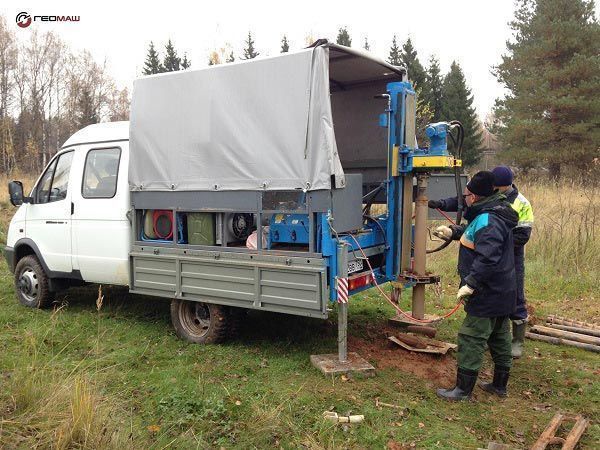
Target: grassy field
x: 81, y: 377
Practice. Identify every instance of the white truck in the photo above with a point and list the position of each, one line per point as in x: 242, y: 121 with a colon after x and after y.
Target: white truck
x: 229, y: 190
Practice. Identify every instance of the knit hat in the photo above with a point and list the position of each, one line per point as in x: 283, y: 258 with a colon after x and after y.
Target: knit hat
x: 503, y: 176
x: 482, y: 184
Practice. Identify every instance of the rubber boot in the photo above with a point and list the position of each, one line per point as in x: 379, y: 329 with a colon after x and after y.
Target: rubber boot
x: 465, y: 382
x: 518, y: 331
x: 498, y: 386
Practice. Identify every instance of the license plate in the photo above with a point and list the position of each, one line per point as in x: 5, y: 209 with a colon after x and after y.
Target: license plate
x: 355, y: 266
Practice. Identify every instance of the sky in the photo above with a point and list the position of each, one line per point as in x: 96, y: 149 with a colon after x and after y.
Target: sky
x: 474, y: 33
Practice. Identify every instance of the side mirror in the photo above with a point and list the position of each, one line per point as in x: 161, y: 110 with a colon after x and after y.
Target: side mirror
x: 15, y: 190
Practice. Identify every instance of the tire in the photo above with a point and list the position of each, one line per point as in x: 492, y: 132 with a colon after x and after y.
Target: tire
x: 32, y: 284
x: 200, y: 323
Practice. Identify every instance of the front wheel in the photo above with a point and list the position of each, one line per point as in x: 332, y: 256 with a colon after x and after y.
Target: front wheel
x: 32, y: 284
x: 200, y: 323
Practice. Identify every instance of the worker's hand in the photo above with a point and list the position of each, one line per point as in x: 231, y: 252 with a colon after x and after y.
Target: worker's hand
x: 443, y: 232
x: 434, y: 204
x: 464, y: 292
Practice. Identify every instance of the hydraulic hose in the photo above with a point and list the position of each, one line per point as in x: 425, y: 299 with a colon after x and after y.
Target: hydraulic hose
x: 458, y: 144
x: 391, y: 302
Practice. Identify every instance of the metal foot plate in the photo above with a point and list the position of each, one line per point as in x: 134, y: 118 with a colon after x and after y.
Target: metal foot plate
x: 330, y: 364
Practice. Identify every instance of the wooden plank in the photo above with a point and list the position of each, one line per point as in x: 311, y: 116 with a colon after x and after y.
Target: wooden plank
x: 576, y: 432
x: 548, y: 434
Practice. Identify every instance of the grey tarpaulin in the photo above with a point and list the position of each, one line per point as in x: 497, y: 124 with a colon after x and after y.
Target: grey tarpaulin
x: 264, y: 124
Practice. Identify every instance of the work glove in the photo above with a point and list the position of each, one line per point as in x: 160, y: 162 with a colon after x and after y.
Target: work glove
x: 434, y: 204
x: 464, y: 292
x: 443, y: 232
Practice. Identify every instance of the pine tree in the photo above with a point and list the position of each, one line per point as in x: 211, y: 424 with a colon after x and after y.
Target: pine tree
x: 152, y: 64
x: 250, y: 52
x: 86, y: 112
x: 415, y: 70
x: 457, y: 104
x: 285, y: 46
x: 343, y: 37
x: 552, y: 74
x: 172, y: 61
x: 185, y: 62
x: 230, y: 58
x: 433, y: 91
x: 394, y: 57
x: 366, y: 45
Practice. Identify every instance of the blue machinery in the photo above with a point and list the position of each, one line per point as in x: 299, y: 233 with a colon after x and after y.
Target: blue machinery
x: 404, y: 241
x: 394, y: 229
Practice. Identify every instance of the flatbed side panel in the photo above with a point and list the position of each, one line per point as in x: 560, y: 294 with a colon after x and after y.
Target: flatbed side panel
x: 287, y: 285
x: 155, y: 273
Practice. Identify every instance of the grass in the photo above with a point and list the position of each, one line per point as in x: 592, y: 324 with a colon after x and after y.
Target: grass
x: 118, y: 377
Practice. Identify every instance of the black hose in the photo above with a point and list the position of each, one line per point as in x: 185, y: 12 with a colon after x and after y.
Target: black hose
x: 371, y: 198
x: 458, y: 144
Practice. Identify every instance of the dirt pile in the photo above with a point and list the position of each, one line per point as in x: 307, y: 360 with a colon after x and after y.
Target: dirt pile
x: 377, y: 349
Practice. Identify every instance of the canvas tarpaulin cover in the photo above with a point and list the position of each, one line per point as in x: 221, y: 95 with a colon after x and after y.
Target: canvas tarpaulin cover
x: 264, y: 124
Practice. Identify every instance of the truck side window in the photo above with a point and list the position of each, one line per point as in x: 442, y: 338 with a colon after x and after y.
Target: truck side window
x: 55, y: 181
x: 43, y: 188
x: 100, y: 173
x: 60, y: 182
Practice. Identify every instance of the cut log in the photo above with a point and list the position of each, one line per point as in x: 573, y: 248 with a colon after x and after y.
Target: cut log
x: 574, y: 323
x: 579, y: 330
x: 427, y: 331
x: 566, y: 335
x: 413, y: 341
x: 561, y: 341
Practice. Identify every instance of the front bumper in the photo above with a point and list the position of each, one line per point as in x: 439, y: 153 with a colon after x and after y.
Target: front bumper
x: 9, y: 255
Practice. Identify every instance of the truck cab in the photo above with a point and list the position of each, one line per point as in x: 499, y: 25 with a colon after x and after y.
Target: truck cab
x: 73, y: 228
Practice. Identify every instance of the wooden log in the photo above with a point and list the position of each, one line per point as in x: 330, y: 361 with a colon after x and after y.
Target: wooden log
x: 413, y: 341
x: 427, y: 331
x: 548, y: 433
x: 559, y: 341
x: 574, y: 323
x: 566, y: 335
x: 579, y: 330
x: 576, y: 432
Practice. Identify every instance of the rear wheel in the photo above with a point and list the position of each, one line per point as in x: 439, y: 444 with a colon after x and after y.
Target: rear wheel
x: 200, y: 323
x: 32, y: 284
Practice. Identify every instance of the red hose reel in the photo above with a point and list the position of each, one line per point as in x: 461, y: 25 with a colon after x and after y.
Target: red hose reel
x: 162, y: 223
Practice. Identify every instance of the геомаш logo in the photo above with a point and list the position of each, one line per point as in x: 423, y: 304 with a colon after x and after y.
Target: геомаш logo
x: 24, y: 19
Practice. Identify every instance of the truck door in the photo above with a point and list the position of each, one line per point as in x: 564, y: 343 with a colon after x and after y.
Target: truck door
x: 101, y: 229
x: 49, y: 216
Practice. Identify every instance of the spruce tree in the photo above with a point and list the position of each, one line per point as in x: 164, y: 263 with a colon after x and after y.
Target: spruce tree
x: 552, y: 73
x: 394, y: 57
x: 416, y: 73
x: 366, y: 45
x: 285, y: 46
x: 185, y: 62
x: 457, y: 104
x: 172, y: 61
x: 250, y: 52
x: 343, y: 37
x: 230, y: 58
x: 86, y: 112
x: 433, y: 90
x: 152, y: 64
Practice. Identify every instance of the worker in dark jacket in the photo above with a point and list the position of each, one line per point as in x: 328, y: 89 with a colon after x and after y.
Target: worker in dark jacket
x: 503, y: 181
x: 487, y: 286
